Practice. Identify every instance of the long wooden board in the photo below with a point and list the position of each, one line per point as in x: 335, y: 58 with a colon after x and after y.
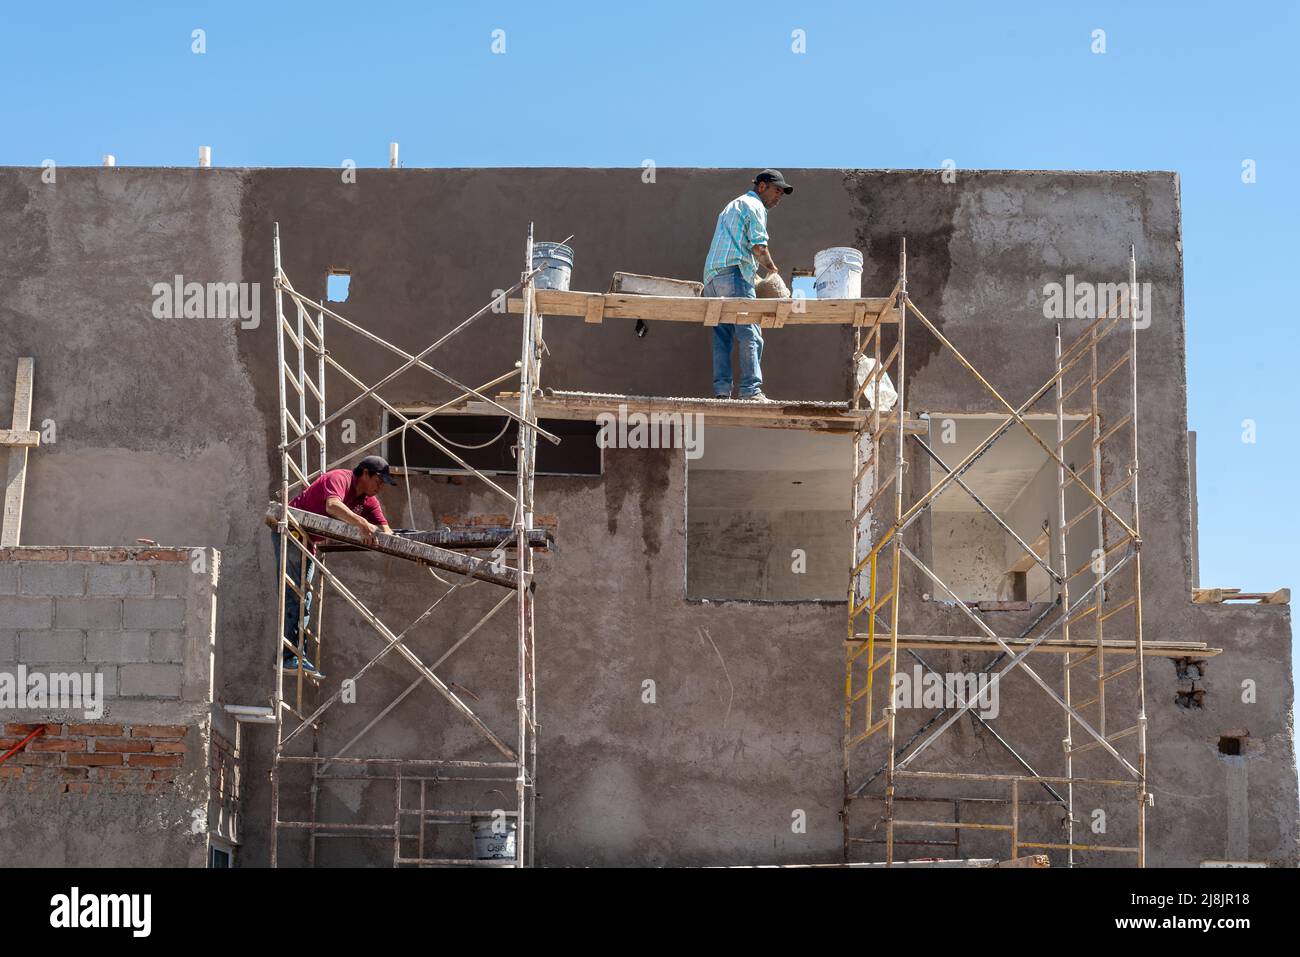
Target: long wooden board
x: 1160, y: 649
x: 772, y: 414
x: 401, y: 547
x: 594, y: 307
x: 12, y: 523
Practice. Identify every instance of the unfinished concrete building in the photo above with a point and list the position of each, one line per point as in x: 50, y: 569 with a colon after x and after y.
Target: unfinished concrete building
x: 628, y: 655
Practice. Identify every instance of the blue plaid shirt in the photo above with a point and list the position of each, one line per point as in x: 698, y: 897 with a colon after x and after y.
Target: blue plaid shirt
x: 742, y: 225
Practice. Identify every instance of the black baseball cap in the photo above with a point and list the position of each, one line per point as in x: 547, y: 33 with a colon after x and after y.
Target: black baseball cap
x: 774, y: 176
x: 378, y: 465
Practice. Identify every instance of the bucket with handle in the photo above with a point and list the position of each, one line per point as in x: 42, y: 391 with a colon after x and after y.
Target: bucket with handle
x: 838, y: 273
x: 494, y: 832
x: 556, y: 262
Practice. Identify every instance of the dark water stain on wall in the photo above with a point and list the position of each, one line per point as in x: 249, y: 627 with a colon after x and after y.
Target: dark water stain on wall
x: 918, y: 207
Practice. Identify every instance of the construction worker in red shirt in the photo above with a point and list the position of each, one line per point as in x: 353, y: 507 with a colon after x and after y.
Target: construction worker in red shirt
x: 349, y: 496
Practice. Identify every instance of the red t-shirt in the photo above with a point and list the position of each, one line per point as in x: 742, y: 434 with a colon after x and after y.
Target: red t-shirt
x: 340, y: 484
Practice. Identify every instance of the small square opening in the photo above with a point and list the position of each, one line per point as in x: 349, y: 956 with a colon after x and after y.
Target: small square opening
x: 337, y: 283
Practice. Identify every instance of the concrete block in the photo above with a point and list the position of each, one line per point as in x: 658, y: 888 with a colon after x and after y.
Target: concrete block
x: 175, y: 580
x: 8, y: 578
x: 89, y: 613
x: 166, y: 647
x: 149, y: 614
x: 52, y: 578
x: 117, y: 646
x: 110, y: 677
x: 149, y: 681
x: 120, y: 579
x: 52, y: 646
x: 26, y: 612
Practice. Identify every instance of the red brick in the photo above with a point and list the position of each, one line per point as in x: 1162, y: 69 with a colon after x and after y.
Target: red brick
x: 112, y: 746
x: 167, y: 776
x: 57, y: 744
x: 162, y: 555
x: 7, y: 743
x: 78, y: 760
x: 158, y: 731
x: 98, y: 730
x: 97, y: 554
x: 153, y: 760
x: 134, y: 775
x: 27, y: 757
x: 65, y: 774
x: 77, y: 787
x: 10, y: 771
x: 171, y: 747
x: 23, y: 730
x: 40, y: 554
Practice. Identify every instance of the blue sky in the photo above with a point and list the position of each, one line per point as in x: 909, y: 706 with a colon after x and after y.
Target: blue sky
x: 1193, y: 87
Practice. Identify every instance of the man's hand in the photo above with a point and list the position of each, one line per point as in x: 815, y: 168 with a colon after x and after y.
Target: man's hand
x: 765, y: 263
x: 368, y: 531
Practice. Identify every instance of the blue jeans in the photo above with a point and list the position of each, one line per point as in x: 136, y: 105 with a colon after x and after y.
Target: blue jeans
x: 293, y: 567
x: 730, y: 284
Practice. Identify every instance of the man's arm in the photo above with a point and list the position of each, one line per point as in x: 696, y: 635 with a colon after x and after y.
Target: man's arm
x: 336, y: 509
x: 764, y: 257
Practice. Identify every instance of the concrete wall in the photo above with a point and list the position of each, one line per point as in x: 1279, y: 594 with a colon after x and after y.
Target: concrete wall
x: 119, y: 775
x: 166, y: 429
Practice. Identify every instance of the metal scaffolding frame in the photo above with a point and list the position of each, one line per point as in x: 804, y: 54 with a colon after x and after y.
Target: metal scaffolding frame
x: 301, y: 352
x: 1097, y: 590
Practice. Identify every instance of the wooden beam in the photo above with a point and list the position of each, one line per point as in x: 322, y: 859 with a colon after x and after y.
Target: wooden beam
x: 11, y: 526
x: 401, y: 547
x: 555, y: 302
x: 1159, y: 649
x: 810, y: 416
x: 19, y: 438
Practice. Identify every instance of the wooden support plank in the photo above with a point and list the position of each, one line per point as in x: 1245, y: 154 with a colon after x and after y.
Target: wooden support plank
x: 595, y: 310
x: 15, y: 484
x: 400, y: 547
x: 555, y: 302
x: 772, y: 414
x: 20, y: 438
x: 713, y: 312
x: 1161, y: 649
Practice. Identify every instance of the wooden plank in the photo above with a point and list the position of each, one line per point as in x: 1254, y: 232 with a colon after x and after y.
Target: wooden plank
x: 1160, y: 649
x: 773, y: 414
x: 461, y: 537
x: 713, y: 312
x: 20, y: 438
x: 400, y: 547
x: 11, y: 526
x: 554, y: 302
x: 595, y: 310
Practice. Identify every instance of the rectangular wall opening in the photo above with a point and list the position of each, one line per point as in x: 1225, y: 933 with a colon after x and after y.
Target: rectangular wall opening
x: 487, y: 441
x: 767, y: 516
x: 971, y: 553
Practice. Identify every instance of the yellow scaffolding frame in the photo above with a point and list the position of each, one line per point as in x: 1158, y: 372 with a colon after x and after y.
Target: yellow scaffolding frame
x: 869, y: 716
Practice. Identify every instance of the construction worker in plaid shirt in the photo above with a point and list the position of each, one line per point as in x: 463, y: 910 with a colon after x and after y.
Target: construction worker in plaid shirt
x: 738, y: 253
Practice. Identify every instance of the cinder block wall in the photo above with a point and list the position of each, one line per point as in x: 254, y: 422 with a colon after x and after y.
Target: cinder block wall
x: 123, y: 777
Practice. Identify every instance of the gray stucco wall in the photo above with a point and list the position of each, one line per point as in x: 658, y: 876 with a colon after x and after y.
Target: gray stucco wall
x: 166, y: 429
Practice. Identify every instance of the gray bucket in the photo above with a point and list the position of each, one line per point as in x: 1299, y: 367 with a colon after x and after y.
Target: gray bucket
x: 556, y: 261
x: 490, y: 845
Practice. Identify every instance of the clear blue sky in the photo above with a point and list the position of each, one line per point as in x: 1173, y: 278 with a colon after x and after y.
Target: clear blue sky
x: 1193, y: 87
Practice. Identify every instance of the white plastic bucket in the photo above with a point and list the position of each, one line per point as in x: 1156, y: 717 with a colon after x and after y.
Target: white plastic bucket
x: 838, y: 273
x: 490, y: 844
x: 556, y: 260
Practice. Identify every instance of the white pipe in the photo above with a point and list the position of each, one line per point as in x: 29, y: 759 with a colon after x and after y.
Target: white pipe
x: 110, y: 159
x: 392, y: 155
x: 205, y: 156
